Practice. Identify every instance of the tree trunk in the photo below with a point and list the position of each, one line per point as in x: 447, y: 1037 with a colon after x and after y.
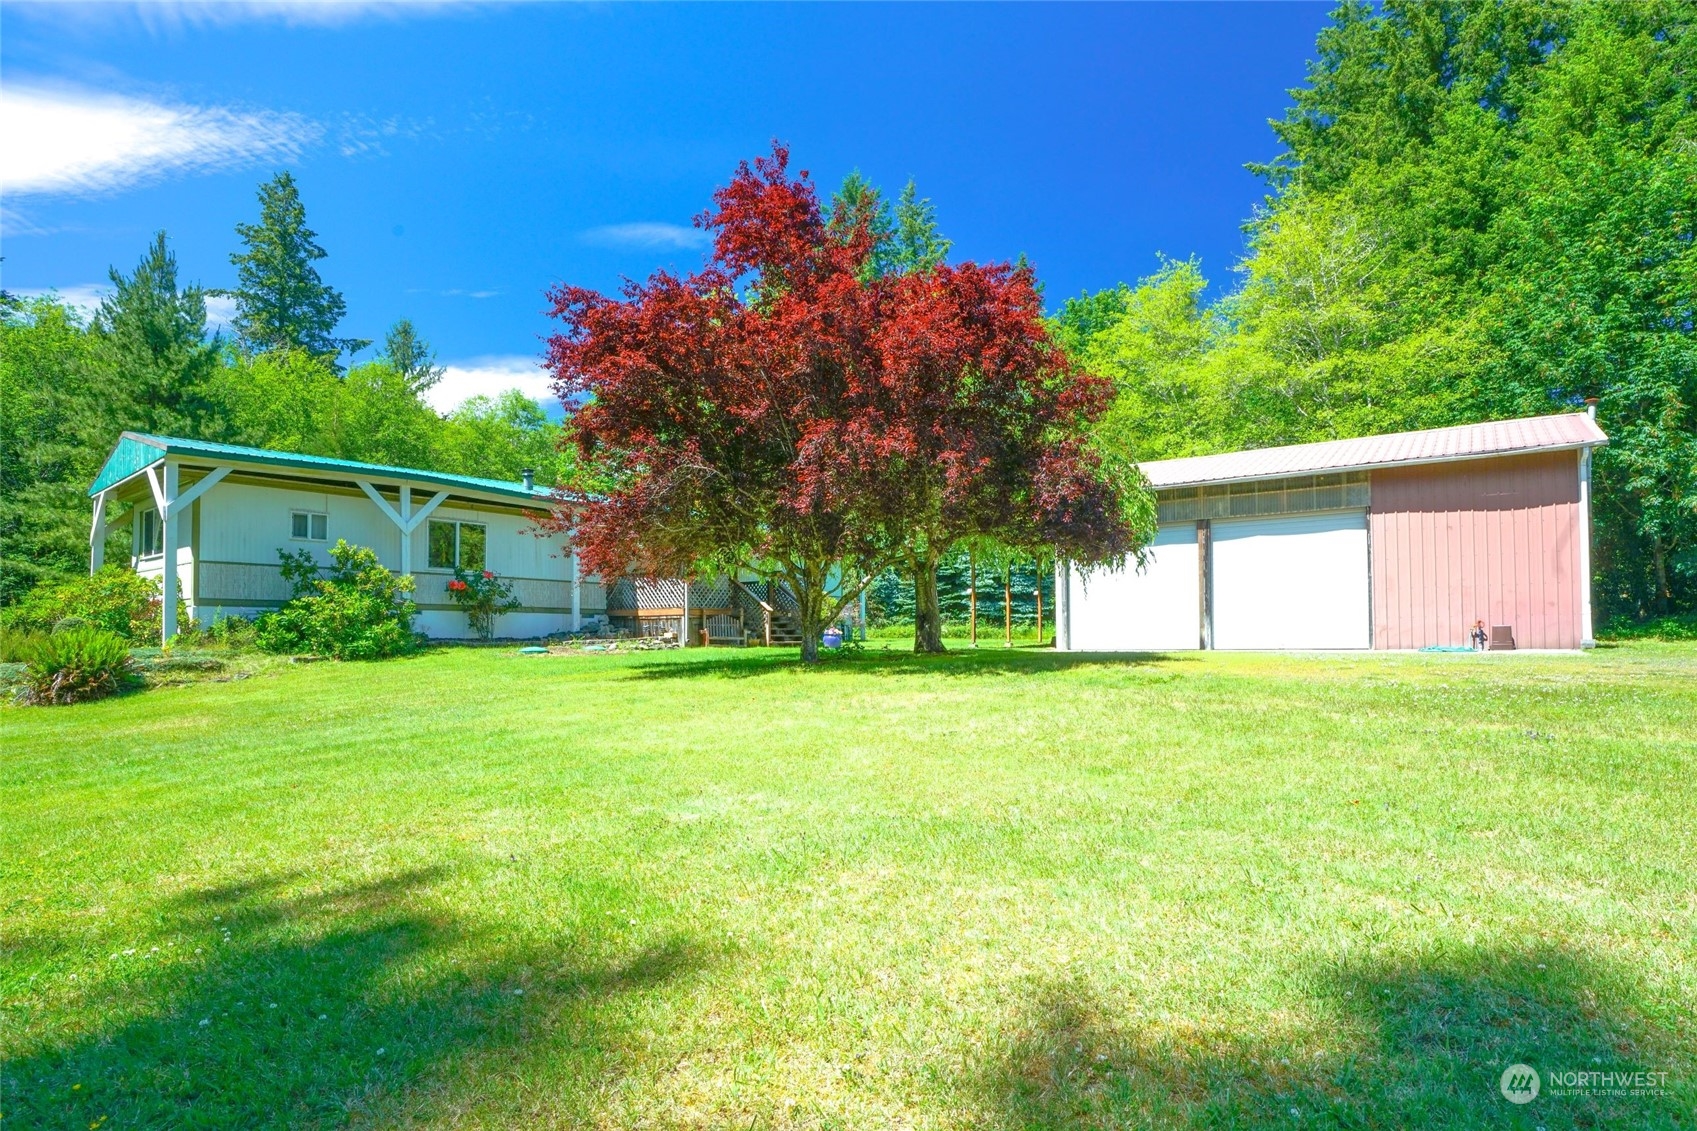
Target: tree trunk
x: 972, y: 594
x: 1007, y: 606
x: 927, y: 613
x: 1664, y: 594
x: 809, y: 609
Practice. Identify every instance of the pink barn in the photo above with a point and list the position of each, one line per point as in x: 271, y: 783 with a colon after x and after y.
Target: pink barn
x: 1406, y: 541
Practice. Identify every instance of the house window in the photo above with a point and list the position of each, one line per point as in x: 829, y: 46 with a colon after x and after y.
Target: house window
x: 150, y: 534
x: 309, y: 525
x: 458, y: 545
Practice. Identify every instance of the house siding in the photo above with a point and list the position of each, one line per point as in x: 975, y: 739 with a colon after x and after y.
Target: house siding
x: 1496, y: 540
x: 240, y: 525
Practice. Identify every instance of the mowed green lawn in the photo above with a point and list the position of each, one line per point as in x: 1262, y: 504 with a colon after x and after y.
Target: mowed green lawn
x: 994, y: 890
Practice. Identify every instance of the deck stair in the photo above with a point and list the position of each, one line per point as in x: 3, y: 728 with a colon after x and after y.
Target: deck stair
x: 769, y: 612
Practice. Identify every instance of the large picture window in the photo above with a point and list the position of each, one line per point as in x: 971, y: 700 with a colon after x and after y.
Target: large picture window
x: 150, y: 534
x: 458, y: 545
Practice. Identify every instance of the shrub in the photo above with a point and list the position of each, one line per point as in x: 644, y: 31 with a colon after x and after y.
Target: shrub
x: 1670, y: 628
x: 76, y: 666
x: 482, y: 595
x: 357, y: 611
x: 116, y: 600
x: 234, y: 633
x: 16, y: 645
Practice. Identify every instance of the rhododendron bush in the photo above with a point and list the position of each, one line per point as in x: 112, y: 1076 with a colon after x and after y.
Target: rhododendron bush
x: 787, y: 410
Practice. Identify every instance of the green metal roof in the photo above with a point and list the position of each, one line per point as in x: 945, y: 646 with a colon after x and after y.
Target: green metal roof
x: 137, y: 450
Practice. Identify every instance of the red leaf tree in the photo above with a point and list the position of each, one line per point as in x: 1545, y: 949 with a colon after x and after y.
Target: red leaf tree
x: 787, y: 411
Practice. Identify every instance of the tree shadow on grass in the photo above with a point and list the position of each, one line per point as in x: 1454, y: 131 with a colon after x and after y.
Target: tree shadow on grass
x: 1416, y: 1045
x: 351, y: 1006
x: 753, y: 663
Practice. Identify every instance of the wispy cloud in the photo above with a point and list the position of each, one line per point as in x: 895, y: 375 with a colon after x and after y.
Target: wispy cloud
x: 360, y: 135
x: 57, y: 139
x: 490, y: 377
x: 176, y: 15
x: 647, y: 233
x: 453, y: 292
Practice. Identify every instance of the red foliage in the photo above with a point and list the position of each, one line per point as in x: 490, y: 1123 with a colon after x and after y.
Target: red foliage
x: 781, y: 407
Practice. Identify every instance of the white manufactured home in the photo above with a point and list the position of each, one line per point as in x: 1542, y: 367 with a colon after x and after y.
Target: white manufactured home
x: 209, y: 519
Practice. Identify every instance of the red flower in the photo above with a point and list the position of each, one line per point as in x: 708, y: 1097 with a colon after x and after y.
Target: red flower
x: 487, y: 576
x: 456, y: 585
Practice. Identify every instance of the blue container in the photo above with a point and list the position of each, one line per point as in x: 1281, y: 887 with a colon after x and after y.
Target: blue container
x: 833, y: 638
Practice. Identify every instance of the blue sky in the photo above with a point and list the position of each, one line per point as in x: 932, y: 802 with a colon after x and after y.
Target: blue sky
x: 457, y: 159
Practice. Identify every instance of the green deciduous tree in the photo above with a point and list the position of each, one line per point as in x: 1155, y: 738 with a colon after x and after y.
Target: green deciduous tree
x: 1482, y: 211
x: 45, y: 461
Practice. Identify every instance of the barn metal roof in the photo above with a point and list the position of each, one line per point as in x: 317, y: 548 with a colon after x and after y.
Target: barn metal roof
x: 137, y: 450
x: 1566, y: 430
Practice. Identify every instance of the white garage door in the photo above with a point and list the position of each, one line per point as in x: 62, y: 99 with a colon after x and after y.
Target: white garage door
x: 1156, y: 609
x: 1296, y: 581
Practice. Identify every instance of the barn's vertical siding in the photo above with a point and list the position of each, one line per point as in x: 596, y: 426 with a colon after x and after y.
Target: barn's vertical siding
x: 1496, y: 540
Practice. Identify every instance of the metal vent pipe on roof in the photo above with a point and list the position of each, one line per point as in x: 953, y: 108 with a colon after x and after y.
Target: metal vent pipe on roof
x: 529, y: 475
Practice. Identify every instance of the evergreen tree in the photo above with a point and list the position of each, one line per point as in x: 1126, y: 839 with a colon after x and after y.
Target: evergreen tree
x: 281, y: 302
x: 916, y: 245
x: 151, y: 350
x: 857, y: 195
x: 411, y: 356
x: 905, y: 239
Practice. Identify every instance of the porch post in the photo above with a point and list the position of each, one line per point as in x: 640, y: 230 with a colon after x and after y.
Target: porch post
x: 168, y: 589
x: 406, y: 530
x: 97, y: 535
x: 577, y: 592
x: 683, y: 633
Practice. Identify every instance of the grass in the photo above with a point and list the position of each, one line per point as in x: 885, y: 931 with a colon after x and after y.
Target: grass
x: 1003, y: 889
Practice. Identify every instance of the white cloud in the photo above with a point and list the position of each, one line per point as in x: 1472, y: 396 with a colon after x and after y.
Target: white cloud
x: 64, y: 140
x: 490, y: 377
x: 220, y: 313
x: 647, y: 233
x: 85, y: 297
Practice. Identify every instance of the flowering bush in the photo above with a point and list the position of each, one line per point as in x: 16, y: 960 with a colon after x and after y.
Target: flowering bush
x: 357, y: 611
x: 483, y: 596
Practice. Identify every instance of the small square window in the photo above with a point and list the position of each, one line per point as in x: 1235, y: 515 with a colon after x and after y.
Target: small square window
x: 310, y: 526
